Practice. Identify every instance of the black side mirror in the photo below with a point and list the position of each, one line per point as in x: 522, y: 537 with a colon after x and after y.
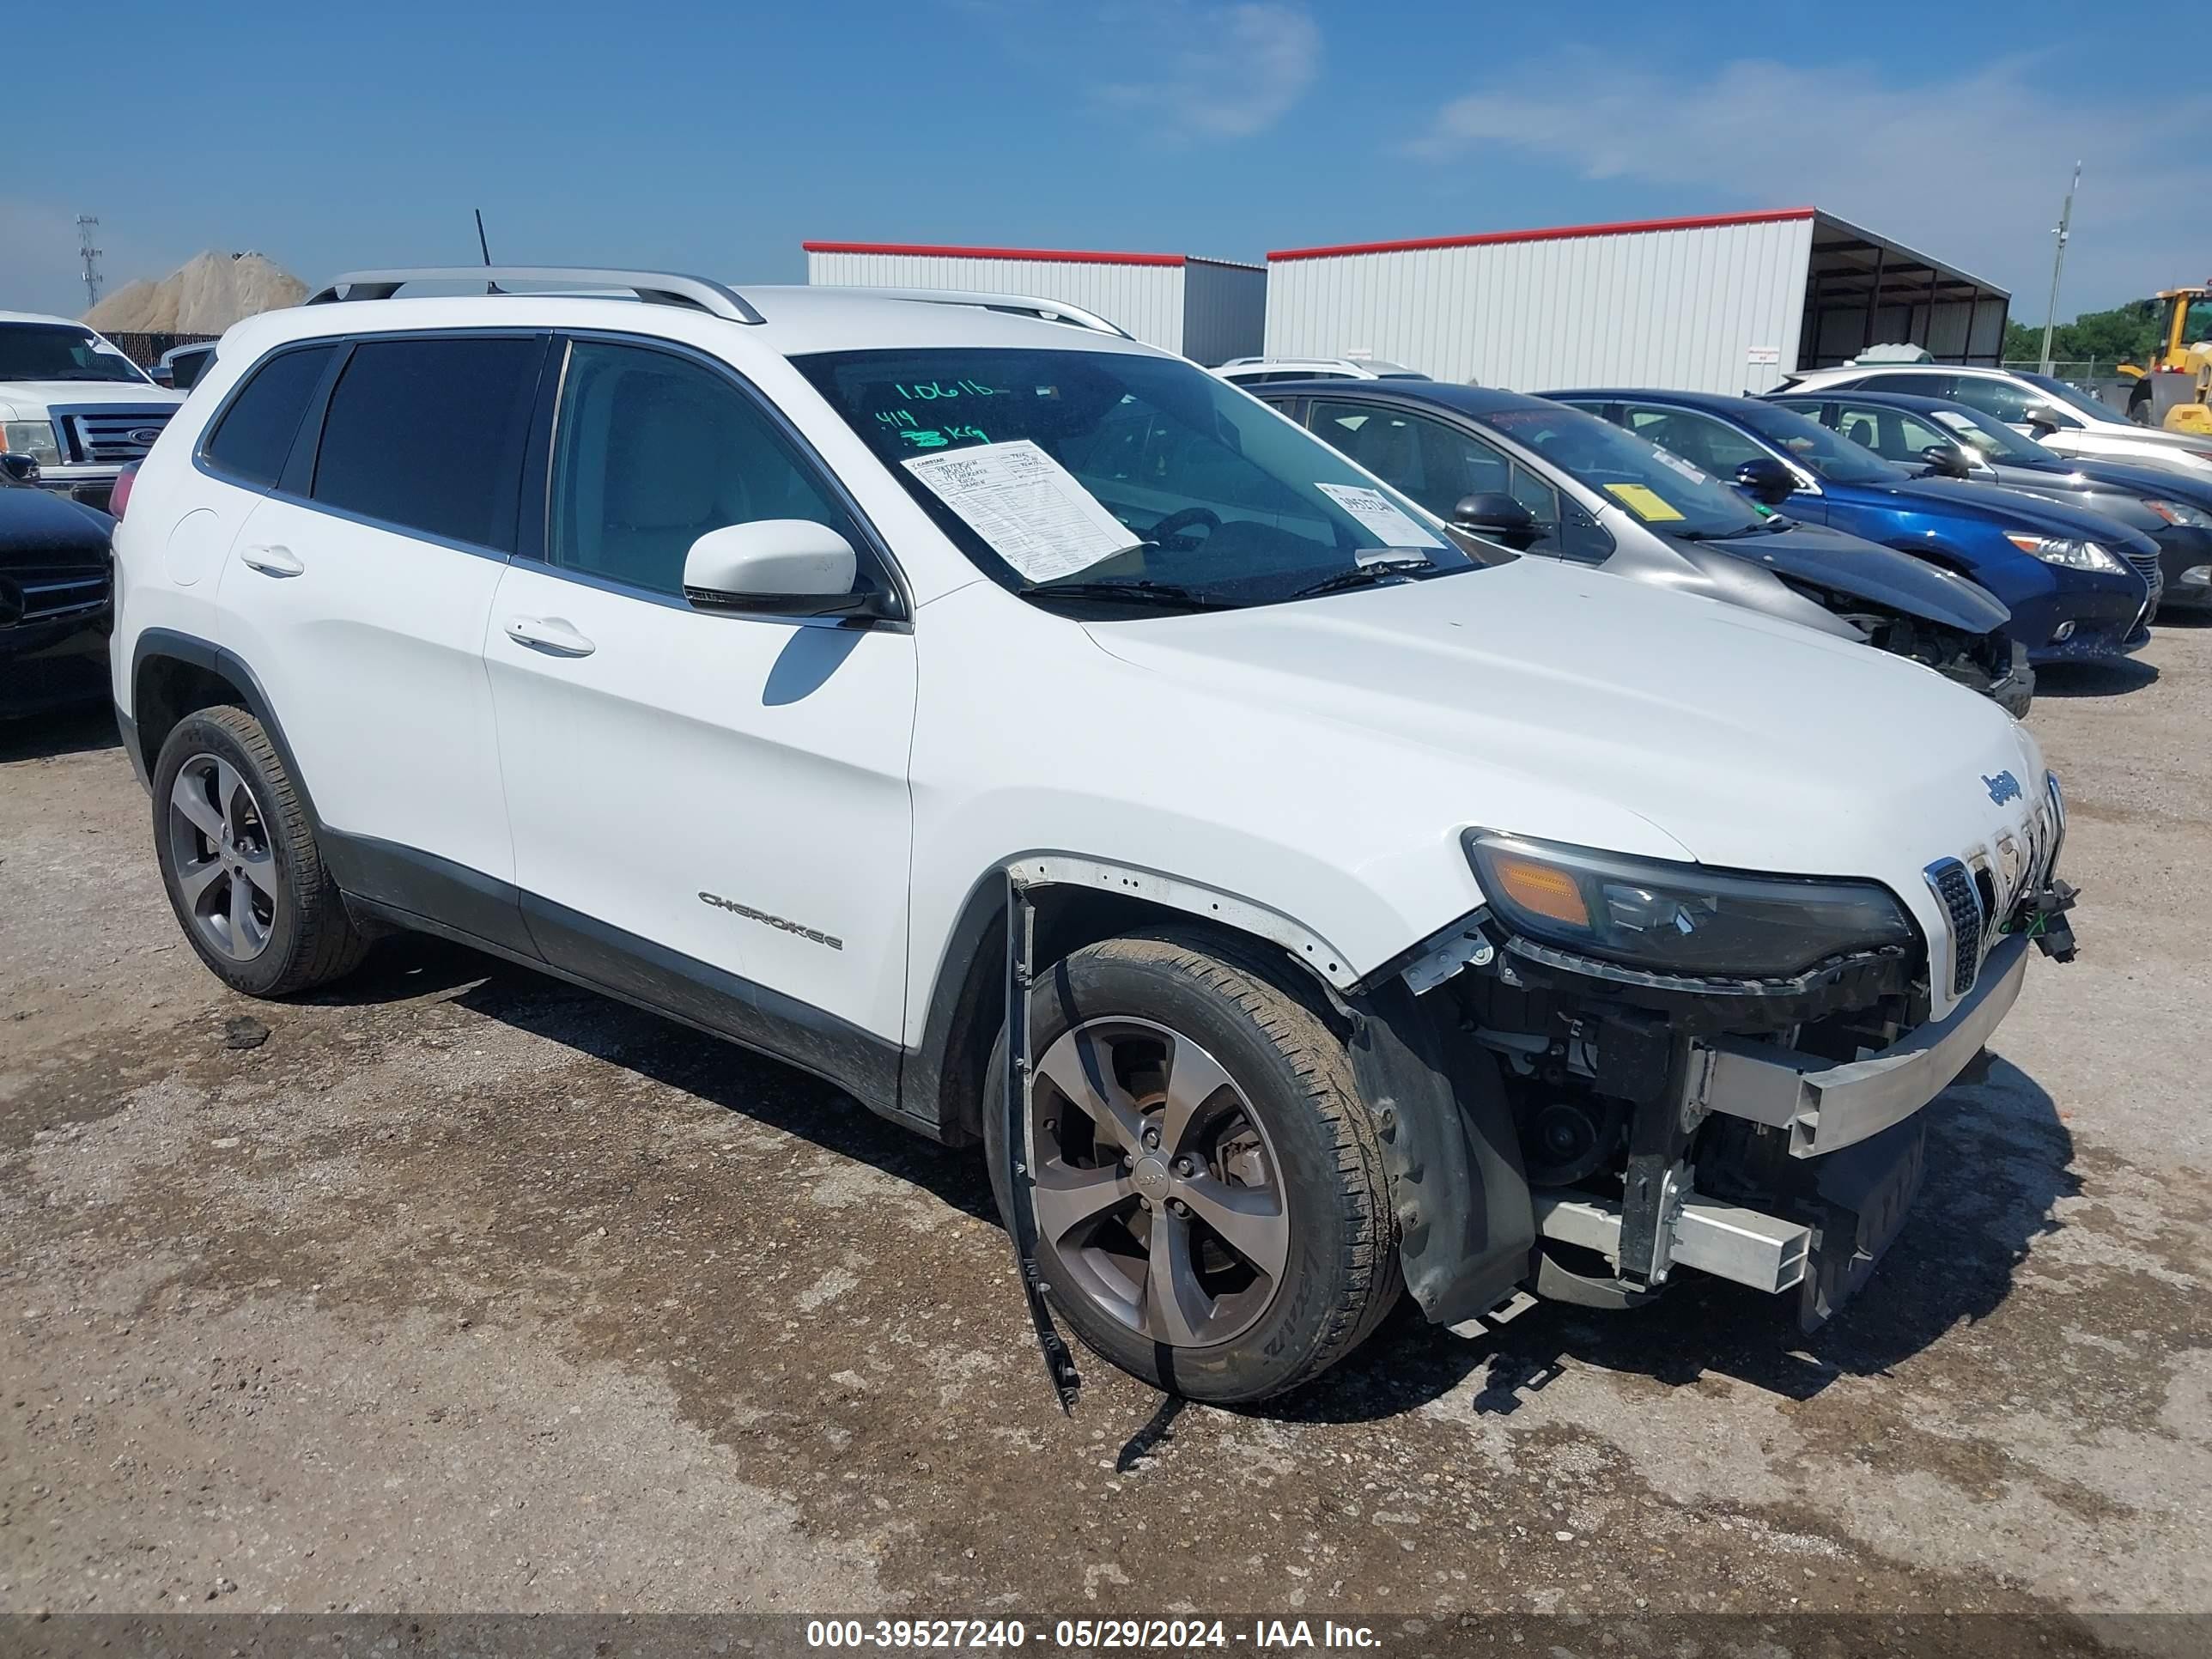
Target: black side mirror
x: 1497, y: 515
x: 1946, y: 461
x: 20, y: 468
x: 1767, y: 481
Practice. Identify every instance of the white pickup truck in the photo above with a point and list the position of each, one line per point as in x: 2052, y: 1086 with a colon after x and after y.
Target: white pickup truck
x: 72, y: 402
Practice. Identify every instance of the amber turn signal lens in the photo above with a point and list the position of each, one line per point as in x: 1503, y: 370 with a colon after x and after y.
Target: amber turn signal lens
x: 1540, y: 889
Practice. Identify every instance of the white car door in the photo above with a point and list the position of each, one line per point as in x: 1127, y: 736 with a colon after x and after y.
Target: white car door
x: 358, y: 594
x: 709, y: 810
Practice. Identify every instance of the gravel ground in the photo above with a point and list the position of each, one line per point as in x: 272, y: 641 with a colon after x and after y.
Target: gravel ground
x: 461, y: 1289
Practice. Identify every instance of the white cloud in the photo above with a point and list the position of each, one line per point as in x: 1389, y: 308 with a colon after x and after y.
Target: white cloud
x: 1208, y: 71
x: 1969, y: 168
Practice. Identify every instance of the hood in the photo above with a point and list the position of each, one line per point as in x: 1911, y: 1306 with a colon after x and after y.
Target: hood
x: 2070, y: 487
x: 2031, y: 514
x: 26, y: 400
x: 38, y: 527
x: 2145, y: 483
x: 1563, y: 703
x: 1881, y: 575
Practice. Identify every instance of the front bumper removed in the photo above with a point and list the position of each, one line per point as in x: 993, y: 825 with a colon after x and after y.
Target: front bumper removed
x: 1826, y: 1107
x: 1843, y: 1144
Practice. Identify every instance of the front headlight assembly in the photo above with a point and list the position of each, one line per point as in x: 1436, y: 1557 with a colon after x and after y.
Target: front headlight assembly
x: 32, y: 438
x: 1683, y: 919
x: 2180, y: 513
x: 2075, y: 555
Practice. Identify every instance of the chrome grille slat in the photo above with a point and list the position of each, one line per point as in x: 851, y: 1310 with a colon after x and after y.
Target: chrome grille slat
x: 105, y: 436
x: 1952, y: 884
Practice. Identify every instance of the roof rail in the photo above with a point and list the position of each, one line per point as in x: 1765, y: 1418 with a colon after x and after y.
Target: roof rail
x: 1052, y: 311
x: 663, y: 288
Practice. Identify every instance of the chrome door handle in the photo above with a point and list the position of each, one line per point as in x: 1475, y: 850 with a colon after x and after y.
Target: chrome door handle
x: 272, y: 561
x: 548, y: 633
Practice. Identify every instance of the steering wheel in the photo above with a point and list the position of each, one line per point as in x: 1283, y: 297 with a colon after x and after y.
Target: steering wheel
x: 1166, y: 533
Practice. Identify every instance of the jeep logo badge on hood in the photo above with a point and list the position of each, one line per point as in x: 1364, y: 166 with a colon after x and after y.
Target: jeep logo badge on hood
x: 2002, y: 787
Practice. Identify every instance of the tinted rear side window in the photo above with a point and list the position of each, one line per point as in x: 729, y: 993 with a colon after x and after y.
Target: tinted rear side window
x: 428, y: 435
x: 256, y: 432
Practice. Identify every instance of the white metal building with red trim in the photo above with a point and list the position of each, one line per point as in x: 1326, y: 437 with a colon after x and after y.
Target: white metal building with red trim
x: 1209, y: 310
x: 1728, y: 302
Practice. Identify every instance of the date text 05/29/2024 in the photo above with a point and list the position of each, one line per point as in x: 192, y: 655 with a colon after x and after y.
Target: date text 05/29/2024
x: 1089, y: 1634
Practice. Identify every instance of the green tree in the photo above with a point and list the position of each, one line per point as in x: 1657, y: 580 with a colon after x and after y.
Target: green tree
x: 2127, y: 334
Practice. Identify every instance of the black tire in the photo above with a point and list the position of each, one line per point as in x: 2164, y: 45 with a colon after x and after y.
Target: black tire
x: 1340, y: 1274
x: 308, y: 940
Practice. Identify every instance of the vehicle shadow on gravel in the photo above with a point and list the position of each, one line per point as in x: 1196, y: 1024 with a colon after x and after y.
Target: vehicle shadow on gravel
x: 1999, y: 1163
x: 78, y: 730
x: 2093, y: 679
x: 721, y: 1073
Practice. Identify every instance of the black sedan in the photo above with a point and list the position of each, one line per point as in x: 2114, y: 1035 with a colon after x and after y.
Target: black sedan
x: 54, y: 582
x: 1953, y: 441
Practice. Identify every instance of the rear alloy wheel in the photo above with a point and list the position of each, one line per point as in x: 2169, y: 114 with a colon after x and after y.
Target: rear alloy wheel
x: 1212, y: 1212
x: 219, y: 847
x: 239, y: 857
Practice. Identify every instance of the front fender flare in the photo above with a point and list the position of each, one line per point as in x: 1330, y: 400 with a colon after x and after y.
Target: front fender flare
x: 1323, y: 959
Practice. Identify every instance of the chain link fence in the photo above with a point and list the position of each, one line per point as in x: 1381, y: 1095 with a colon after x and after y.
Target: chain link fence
x: 146, y: 350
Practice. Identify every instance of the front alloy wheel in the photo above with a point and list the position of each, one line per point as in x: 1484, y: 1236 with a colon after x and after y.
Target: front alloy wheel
x: 1212, y: 1209
x: 1157, y: 1190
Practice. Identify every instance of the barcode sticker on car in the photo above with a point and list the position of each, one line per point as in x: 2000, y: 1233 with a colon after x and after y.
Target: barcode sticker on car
x: 1375, y: 515
x: 1645, y: 503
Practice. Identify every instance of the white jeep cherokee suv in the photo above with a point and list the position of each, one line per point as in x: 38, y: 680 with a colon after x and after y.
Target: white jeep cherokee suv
x: 815, y: 668
x: 72, y: 402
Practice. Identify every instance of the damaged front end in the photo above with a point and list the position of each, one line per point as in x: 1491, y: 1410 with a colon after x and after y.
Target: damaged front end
x: 1719, y: 1104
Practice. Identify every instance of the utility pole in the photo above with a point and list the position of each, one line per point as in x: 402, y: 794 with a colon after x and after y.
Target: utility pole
x: 2058, y: 263
x: 90, y: 255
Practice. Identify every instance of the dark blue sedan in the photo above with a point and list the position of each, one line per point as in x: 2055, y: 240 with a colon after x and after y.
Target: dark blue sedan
x: 2079, y: 586
x: 2172, y: 508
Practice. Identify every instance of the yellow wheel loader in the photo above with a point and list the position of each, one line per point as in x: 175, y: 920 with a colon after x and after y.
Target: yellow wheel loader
x: 2175, y: 390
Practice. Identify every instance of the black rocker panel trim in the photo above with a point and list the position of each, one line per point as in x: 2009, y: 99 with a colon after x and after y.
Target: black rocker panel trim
x: 403, y: 882
x: 701, y: 994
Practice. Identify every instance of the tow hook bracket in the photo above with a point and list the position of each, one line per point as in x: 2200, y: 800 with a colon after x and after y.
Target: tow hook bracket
x: 1768, y: 1253
x: 1021, y: 1145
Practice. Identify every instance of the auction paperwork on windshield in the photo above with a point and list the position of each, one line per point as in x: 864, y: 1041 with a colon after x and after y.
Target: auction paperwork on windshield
x: 1032, y: 511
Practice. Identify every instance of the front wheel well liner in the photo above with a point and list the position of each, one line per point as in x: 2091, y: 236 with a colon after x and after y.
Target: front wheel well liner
x: 945, y: 1079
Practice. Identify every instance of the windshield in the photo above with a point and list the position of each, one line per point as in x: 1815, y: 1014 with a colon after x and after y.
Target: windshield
x: 2076, y: 399
x: 1660, y: 488
x: 1111, y: 467
x: 58, y: 351
x: 1992, y: 437
x: 1828, y: 456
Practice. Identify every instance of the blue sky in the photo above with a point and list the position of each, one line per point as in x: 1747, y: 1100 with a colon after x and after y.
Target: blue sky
x: 714, y: 137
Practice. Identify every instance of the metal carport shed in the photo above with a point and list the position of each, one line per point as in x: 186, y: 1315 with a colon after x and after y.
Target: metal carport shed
x: 1210, y: 310
x: 1728, y: 302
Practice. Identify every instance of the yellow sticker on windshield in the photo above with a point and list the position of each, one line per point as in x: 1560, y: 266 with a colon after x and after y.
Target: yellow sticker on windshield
x: 1646, y: 504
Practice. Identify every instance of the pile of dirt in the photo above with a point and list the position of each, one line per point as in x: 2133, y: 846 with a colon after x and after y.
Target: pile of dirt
x: 205, y: 295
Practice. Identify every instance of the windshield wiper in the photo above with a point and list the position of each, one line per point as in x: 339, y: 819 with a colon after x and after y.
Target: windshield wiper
x: 1133, y: 593
x: 1758, y: 529
x: 1364, y: 575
